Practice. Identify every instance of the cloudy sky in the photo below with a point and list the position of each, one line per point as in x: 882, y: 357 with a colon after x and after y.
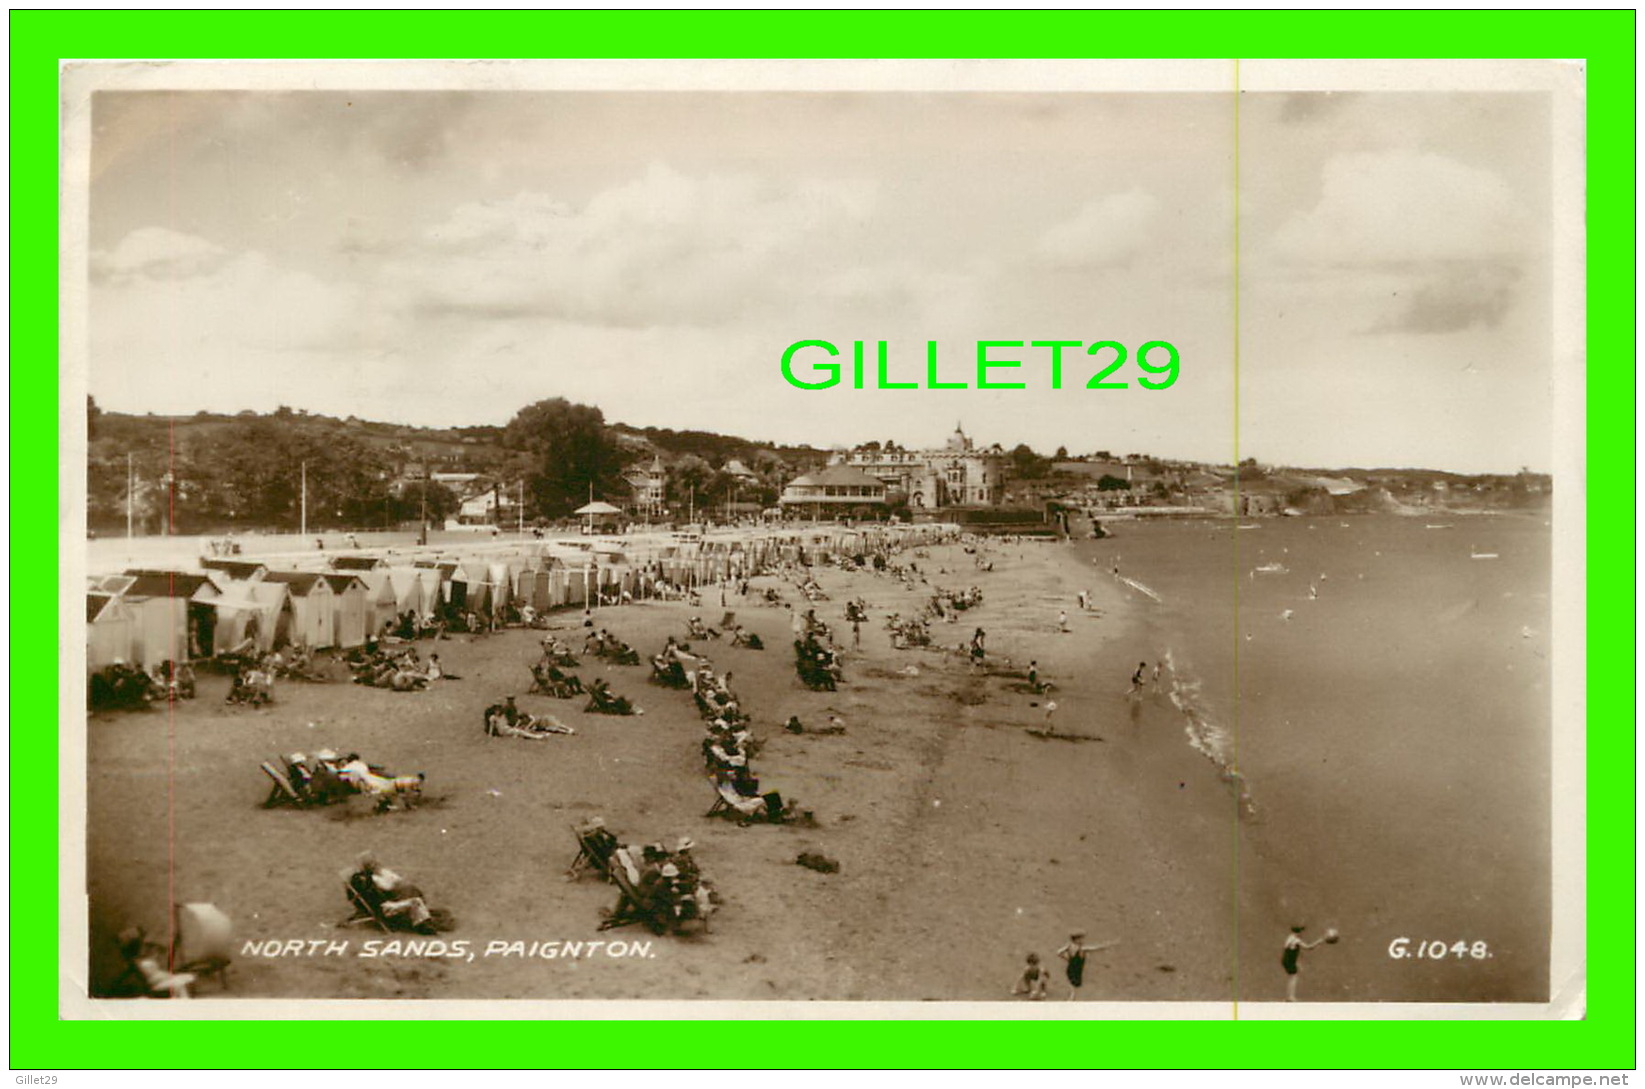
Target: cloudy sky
x: 445, y: 258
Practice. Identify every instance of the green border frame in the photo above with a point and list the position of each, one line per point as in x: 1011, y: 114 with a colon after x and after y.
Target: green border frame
x: 1604, y: 1040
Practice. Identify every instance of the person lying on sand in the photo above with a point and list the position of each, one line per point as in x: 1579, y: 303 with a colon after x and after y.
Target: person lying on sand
x: 359, y: 776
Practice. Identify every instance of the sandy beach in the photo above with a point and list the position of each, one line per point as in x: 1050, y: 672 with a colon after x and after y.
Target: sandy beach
x: 964, y: 840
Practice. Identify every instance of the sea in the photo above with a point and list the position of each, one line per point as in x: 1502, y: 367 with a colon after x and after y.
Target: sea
x: 1373, y: 693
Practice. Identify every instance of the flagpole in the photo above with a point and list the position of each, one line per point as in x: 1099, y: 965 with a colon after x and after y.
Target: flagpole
x: 303, y: 521
x: 129, y: 495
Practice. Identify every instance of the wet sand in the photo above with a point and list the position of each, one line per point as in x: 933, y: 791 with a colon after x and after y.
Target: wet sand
x: 964, y: 841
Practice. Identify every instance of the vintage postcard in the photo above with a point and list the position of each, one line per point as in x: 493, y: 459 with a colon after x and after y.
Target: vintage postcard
x: 907, y: 539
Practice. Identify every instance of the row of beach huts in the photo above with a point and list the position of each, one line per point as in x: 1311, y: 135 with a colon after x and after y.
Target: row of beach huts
x: 147, y: 616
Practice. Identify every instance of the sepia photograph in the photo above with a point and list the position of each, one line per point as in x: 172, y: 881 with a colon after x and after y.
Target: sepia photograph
x: 994, y: 534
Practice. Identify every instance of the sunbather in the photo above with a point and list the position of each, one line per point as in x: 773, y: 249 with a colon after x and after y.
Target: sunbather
x: 391, y: 897
x: 144, y: 957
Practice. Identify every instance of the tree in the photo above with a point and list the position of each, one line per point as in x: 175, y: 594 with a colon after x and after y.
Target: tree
x: 689, y: 480
x: 1111, y: 483
x: 571, y: 452
x: 1027, y: 465
x: 93, y: 415
x: 1062, y: 453
x: 442, y: 502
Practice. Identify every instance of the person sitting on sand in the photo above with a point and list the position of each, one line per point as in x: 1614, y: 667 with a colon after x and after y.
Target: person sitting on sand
x: 506, y: 712
x: 436, y: 671
x: 1034, y: 979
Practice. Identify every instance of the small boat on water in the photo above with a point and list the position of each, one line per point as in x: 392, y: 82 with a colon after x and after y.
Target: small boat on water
x: 1253, y: 525
x: 1446, y: 525
x: 1272, y: 569
x: 1475, y: 554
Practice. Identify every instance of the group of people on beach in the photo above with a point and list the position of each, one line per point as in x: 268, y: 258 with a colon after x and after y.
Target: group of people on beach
x: 400, y: 669
x: 123, y: 685
x: 1035, y: 981
x: 816, y: 656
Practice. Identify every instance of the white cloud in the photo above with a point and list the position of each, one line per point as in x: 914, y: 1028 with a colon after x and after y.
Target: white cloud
x: 157, y: 253
x: 1106, y: 232
x: 1397, y: 207
x: 245, y: 304
x: 664, y: 248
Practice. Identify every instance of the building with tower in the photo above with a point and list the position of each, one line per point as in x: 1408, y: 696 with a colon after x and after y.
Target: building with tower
x: 958, y: 475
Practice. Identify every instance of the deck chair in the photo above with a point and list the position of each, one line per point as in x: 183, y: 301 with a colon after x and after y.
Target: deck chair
x: 593, y: 854
x: 730, y: 804
x: 282, y: 792
x: 729, y: 620
x: 364, y: 910
x: 632, y: 907
x: 202, y: 938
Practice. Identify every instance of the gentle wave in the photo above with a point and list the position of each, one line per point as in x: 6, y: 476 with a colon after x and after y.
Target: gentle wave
x: 1140, y: 588
x: 1205, y: 735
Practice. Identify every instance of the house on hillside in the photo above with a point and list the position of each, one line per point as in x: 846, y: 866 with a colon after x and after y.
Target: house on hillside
x: 647, y: 485
x: 958, y: 475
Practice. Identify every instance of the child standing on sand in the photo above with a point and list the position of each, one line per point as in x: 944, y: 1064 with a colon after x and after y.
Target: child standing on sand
x: 1074, y: 953
x: 1294, y: 945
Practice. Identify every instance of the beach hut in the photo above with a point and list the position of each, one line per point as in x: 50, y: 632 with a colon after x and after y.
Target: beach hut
x: 381, y: 601
x: 437, y: 578
x: 468, y: 586
x: 159, y: 630
x: 110, y: 584
x: 501, y: 577
x: 348, y: 610
x: 357, y: 564
x: 110, y: 626
x: 411, y: 591
x: 241, y: 617
x: 274, y: 600
x: 311, y: 606
x: 168, y: 600
x: 237, y: 570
